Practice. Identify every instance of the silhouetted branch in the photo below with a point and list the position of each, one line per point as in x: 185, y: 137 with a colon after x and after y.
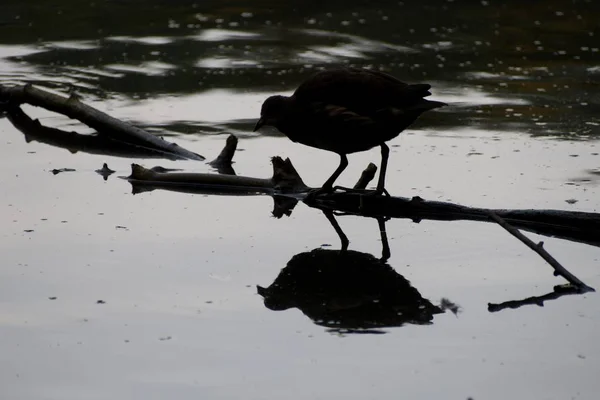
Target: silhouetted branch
x: 538, y: 248
x: 223, y: 162
x: 285, y: 179
x: 101, y: 122
x: 74, y: 142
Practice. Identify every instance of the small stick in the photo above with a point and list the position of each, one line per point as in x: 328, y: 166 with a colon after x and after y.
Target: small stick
x: 539, y: 248
x: 223, y: 161
x: 367, y: 176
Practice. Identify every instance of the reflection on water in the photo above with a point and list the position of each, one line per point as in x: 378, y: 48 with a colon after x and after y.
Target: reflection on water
x: 347, y: 291
x: 503, y: 65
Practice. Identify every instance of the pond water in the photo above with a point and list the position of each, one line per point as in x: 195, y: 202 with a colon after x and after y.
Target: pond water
x: 105, y: 294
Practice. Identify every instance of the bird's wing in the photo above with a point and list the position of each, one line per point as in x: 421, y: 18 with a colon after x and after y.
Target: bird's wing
x: 360, y: 90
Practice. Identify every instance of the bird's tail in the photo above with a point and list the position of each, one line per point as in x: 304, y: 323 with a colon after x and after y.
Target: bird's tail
x: 431, y: 104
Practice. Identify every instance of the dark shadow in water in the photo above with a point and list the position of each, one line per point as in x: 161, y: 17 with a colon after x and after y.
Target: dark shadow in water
x: 348, y: 291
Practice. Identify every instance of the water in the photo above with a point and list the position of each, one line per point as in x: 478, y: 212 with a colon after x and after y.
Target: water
x: 180, y: 316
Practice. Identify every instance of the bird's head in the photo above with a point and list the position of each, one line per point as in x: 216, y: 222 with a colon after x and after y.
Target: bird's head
x: 272, y: 110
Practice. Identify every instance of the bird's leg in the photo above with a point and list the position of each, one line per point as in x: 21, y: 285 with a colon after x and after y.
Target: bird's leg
x: 385, y: 246
x: 328, y: 185
x: 338, y: 229
x: 385, y: 152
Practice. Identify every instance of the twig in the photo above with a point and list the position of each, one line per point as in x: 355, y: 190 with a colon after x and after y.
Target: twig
x: 367, y: 176
x: 539, y: 248
x: 223, y: 162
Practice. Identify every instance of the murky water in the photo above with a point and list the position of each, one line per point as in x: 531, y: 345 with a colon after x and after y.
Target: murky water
x: 105, y: 294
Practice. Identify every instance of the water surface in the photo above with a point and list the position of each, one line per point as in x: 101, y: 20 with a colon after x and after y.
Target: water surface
x: 179, y: 315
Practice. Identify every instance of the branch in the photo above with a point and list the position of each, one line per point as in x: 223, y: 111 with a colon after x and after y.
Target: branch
x: 101, y: 122
x: 74, y: 142
x: 538, y: 248
x: 285, y: 179
x: 223, y: 161
x: 575, y: 226
x: 367, y: 176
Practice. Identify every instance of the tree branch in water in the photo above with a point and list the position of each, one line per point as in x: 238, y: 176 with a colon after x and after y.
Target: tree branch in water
x: 103, y: 123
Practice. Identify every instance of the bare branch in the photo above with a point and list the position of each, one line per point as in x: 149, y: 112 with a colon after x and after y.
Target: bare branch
x: 367, y: 176
x: 538, y: 248
x: 101, y: 122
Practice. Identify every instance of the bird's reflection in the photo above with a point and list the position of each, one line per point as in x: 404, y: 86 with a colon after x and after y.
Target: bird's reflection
x: 348, y: 291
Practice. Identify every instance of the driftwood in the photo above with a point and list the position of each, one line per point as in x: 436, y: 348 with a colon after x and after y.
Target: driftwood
x: 285, y: 179
x: 576, y: 226
x: 74, y: 142
x: 103, y: 123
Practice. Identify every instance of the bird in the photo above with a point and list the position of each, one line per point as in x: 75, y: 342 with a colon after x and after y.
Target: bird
x: 348, y: 110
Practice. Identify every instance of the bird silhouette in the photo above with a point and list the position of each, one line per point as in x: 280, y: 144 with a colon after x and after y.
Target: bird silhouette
x: 347, y: 111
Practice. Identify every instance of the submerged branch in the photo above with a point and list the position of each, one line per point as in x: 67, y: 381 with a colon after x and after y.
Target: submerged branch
x: 103, y: 123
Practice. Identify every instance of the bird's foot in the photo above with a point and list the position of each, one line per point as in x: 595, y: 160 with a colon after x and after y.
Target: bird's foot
x: 379, y: 192
x: 312, y: 195
x: 366, y: 192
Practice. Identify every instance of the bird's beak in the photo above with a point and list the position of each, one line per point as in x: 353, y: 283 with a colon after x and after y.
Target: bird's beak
x: 259, y: 124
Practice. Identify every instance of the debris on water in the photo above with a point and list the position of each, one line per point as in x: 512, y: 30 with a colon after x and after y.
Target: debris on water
x: 57, y: 171
x: 105, y: 171
x: 446, y: 304
x: 326, y: 245
x: 571, y: 201
x: 100, y: 302
x: 28, y: 230
x: 121, y: 227
x: 52, y: 298
x: 163, y: 338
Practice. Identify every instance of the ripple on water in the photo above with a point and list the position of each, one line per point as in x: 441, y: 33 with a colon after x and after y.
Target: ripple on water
x: 149, y: 68
x: 150, y: 40
x: 221, y: 35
